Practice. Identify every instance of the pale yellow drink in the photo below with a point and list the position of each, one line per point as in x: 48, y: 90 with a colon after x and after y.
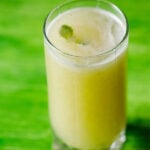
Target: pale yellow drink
x: 87, y: 92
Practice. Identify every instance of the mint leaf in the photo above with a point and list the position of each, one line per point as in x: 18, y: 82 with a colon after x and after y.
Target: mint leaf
x: 66, y: 31
x: 79, y: 41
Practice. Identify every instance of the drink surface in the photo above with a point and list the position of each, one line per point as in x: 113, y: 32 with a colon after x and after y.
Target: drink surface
x: 99, y: 30
x: 87, y: 104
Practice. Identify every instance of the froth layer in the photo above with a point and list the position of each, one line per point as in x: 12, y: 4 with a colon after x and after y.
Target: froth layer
x: 99, y: 29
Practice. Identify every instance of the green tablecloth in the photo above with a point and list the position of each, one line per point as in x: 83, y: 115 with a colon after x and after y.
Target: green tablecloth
x: 24, y: 121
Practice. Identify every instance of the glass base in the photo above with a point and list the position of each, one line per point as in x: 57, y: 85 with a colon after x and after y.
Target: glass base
x: 116, y: 145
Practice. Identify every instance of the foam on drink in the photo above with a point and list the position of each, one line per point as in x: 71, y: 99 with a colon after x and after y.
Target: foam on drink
x: 99, y: 29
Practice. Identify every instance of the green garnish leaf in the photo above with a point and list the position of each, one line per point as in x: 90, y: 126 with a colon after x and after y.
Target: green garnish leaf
x: 66, y: 31
x: 82, y: 42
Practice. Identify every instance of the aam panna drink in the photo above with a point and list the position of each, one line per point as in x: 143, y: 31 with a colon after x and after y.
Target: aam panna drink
x: 86, y: 73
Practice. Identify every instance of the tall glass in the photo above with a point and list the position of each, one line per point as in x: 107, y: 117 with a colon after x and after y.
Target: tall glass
x: 87, y: 91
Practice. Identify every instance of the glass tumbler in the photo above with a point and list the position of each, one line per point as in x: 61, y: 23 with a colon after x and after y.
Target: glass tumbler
x: 86, y: 92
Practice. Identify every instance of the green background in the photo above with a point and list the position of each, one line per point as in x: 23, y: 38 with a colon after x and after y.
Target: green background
x: 24, y: 121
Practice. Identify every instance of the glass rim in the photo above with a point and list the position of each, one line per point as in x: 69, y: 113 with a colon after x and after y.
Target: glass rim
x: 103, y: 52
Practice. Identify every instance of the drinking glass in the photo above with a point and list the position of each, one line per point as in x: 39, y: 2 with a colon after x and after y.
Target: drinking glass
x: 87, y: 94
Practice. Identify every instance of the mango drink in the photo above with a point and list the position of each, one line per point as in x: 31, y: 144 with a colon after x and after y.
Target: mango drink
x: 86, y: 85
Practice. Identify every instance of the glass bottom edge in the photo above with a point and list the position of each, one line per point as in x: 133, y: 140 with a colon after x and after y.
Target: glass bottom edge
x: 116, y: 145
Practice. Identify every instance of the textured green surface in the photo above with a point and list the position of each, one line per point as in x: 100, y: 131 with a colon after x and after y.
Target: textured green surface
x: 23, y: 96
